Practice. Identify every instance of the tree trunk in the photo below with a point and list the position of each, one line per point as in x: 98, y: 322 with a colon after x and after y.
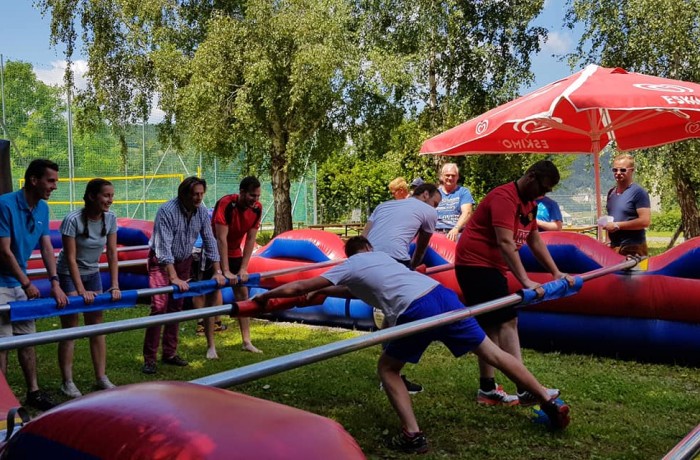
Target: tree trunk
x: 687, y: 198
x: 281, y: 186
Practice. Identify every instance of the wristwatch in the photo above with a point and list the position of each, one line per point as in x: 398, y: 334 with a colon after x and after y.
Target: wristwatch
x: 53, y: 278
x: 219, y: 272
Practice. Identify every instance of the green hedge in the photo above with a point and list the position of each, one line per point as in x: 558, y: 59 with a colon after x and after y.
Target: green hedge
x: 665, y: 221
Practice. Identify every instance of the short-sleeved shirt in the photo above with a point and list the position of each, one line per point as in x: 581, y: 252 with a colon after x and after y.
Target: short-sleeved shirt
x: 450, y: 207
x: 24, y: 226
x: 243, y: 219
x: 174, y: 233
x: 502, y: 207
x: 395, y: 224
x: 87, y: 249
x: 548, y: 210
x: 381, y: 282
x: 623, y: 207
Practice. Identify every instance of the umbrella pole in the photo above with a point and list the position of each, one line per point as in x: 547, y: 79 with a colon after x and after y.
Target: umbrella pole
x: 598, y: 194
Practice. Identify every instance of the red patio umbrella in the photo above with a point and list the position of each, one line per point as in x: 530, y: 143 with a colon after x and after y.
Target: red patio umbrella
x: 582, y: 114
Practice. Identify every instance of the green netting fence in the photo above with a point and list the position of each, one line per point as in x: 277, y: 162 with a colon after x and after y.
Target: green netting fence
x: 36, y: 120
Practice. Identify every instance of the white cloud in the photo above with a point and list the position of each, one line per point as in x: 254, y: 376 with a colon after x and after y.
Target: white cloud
x: 54, y: 75
x: 558, y: 43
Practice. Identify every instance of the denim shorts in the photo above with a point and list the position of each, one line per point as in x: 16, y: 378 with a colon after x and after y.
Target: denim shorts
x: 91, y: 282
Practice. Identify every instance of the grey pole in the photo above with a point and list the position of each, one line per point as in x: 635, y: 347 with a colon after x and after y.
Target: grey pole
x: 119, y: 249
x: 283, y: 363
x: 122, y: 263
x: 40, y: 338
x: 688, y: 448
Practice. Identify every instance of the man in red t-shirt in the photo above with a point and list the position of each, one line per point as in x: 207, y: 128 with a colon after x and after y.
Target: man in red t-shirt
x: 237, y: 217
x: 504, y: 221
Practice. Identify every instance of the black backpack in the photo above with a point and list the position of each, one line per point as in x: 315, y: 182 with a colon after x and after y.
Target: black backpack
x: 228, y: 212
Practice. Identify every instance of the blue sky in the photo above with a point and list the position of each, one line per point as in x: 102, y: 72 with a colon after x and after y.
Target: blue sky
x: 24, y: 35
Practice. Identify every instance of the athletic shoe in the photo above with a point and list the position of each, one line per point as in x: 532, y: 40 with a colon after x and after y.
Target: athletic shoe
x: 557, y: 412
x: 496, y: 397
x: 69, y: 389
x: 175, y: 361
x: 404, y: 442
x: 527, y: 399
x: 413, y: 388
x: 39, y: 400
x: 149, y: 367
x: 104, y: 384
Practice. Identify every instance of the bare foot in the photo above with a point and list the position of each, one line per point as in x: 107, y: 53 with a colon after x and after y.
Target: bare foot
x: 211, y: 354
x: 251, y: 348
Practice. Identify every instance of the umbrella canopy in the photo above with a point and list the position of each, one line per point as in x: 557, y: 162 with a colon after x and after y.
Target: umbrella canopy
x: 582, y: 114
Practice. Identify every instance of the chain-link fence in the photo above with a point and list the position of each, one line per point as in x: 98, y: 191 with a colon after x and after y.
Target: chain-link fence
x: 38, y: 122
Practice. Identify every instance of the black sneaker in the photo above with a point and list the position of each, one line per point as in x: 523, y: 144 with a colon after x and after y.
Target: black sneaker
x: 175, y: 361
x: 413, y: 388
x: 415, y: 443
x: 39, y: 400
x: 557, y: 413
x: 149, y: 368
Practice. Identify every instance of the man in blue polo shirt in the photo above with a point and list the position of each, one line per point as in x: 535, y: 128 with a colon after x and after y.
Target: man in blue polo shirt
x: 24, y: 222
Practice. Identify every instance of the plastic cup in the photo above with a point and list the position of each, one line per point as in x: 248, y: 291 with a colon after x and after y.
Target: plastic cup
x: 604, y: 220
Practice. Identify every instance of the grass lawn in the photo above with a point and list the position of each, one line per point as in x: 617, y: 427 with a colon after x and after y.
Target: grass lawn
x: 619, y: 409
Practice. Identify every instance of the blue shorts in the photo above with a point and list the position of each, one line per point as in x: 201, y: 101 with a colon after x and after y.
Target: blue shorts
x: 91, y: 282
x: 460, y: 337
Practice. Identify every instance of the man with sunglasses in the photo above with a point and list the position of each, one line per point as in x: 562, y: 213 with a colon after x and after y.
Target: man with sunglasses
x: 504, y: 221
x: 24, y: 222
x: 629, y: 205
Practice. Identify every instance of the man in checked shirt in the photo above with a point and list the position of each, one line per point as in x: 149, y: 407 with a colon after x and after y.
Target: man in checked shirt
x: 177, y: 225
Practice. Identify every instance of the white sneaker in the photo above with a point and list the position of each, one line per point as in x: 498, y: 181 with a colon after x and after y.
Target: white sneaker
x: 496, y: 397
x: 104, y: 384
x: 69, y: 389
x: 527, y: 399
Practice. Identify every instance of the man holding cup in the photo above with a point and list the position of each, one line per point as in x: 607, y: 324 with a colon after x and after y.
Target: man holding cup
x: 630, y: 208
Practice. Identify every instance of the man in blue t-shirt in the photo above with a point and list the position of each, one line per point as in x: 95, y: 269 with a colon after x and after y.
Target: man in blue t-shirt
x: 456, y: 205
x: 548, y: 215
x: 629, y: 205
x: 24, y: 222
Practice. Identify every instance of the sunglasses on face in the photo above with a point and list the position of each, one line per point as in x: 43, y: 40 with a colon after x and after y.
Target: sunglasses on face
x: 621, y: 170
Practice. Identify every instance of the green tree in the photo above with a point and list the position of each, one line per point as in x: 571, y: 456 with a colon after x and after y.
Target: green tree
x: 261, y: 79
x: 658, y: 37
x: 34, y: 114
x: 269, y: 84
x: 443, y: 63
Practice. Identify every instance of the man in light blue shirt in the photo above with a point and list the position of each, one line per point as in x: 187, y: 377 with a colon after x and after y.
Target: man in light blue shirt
x: 456, y: 205
x: 24, y: 222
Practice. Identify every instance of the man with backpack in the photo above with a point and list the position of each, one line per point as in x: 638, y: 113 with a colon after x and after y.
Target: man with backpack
x: 237, y: 217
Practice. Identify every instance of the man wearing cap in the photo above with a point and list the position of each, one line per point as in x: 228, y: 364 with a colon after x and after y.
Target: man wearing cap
x: 456, y: 205
x: 417, y: 182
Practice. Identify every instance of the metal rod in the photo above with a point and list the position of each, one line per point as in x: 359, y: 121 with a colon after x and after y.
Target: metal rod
x: 298, y: 269
x: 283, y: 363
x: 278, y: 364
x: 147, y: 292
x: 688, y: 448
x: 40, y: 338
x: 122, y: 263
x: 119, y: 249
